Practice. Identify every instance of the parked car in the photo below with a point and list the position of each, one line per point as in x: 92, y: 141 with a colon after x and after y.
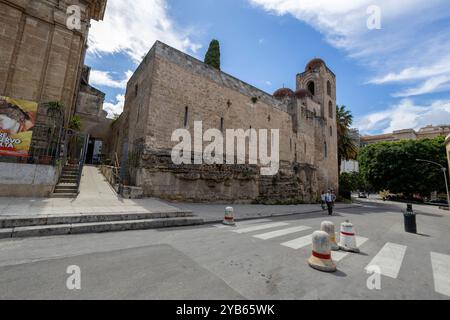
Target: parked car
x: 362, y: 195
x: 439, y: 202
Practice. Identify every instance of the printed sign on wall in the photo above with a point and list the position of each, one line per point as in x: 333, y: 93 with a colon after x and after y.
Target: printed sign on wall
x: 17, y: 120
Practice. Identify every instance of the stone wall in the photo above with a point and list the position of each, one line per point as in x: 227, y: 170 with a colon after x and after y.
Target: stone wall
x: 170, y: 88
x: 25, y: 180
x: 40, y: 58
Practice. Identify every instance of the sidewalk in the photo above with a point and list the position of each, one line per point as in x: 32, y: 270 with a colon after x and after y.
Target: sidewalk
x: 97, y: 197
x: 212, y: 213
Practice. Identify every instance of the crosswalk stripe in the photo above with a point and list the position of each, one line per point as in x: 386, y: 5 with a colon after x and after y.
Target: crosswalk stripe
x: 339, y: 255
x: 389, y: 260
x: 243, y: 223
x: 299, y: 242
x: 280, y: 233
x: 261, y: 227
x: 441, y: 273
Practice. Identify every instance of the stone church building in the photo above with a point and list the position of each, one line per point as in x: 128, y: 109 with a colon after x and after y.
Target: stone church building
x: 170, y: 90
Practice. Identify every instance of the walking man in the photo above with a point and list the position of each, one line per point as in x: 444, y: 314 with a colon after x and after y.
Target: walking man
x: 330, y: 198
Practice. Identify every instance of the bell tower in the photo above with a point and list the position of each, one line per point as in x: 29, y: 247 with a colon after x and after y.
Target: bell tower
x: 320, y: 82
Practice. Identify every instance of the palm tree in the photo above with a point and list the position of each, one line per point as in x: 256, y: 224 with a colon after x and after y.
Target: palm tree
x: 347, y: 148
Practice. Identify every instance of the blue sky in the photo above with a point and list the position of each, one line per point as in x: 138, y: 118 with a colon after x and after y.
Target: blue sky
x: 391, y: 78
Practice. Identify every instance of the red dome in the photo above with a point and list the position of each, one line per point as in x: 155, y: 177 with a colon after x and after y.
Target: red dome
x: 315, y: 63
x: 283, y: 92
x: 303, y: 93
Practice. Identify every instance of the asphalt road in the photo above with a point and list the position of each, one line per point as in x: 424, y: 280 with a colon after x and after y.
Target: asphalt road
x: 263, y: 259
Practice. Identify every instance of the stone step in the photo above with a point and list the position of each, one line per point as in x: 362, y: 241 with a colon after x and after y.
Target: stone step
x: 64, y: 195
x: 99, y: 227
x: 66, y: 180
x: 63, y: 190
x: 29, y: 221
x: 69, y: 174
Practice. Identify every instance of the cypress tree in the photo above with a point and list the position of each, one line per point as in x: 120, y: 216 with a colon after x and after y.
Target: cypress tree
x: 212, y: 57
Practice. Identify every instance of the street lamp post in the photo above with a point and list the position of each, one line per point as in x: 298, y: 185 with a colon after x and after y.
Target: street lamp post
x: 444, y: 170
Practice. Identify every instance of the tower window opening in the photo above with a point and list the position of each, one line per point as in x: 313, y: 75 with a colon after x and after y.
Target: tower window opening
x: 330, y: 110
x: 312, y: 88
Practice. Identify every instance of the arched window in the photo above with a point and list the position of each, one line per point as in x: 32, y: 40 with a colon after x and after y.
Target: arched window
x: 312, y: 88
x: 330, y: 109
x: 329, y: 88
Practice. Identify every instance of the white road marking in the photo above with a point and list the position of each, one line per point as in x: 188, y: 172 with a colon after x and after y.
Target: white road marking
x: 441, y: 273
x: 299, y: 243
x: 389, y: 259
x: 280, y: 233
x: 261, y: 227
x: 243, y: 223
x: 339, y: 255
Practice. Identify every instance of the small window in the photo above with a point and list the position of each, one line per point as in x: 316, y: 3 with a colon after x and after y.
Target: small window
x: 331, y: 131
x: 221, y: 124
x: 330, y: 110
x: 186, y: 116
x: 136, y: 89
x: 329, y: 88
x: 325, y: 150
x: 312, y: 88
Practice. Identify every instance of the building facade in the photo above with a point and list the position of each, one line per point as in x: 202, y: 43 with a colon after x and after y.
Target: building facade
x: 41, y: 59
x: 171, y: 90
x: 41, y: 63
x: 427, y: 132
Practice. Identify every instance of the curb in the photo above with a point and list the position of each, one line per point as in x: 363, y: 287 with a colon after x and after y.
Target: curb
x: 100, y: 227
x: 276, y: 215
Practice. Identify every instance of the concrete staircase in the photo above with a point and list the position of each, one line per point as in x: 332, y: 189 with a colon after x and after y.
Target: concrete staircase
x: 14, y: 227
x: 67, y: 186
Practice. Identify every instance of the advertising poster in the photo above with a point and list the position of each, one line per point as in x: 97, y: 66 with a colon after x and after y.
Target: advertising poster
x: 17, y: 120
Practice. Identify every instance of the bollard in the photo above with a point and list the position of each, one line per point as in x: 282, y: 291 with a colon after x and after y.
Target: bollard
x: 410, y: 219
x: 321, y: 253
x: 330, y: 228
x: 229, y: 217
x: 348, y: 238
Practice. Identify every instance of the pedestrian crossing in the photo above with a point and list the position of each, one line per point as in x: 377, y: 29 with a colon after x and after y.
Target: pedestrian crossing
x: 389, y: 259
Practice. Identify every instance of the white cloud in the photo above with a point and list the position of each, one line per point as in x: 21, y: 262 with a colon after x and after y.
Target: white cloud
x: 431, y: 85
x: 133, y: 26
x: 408, y: 48
x: 115, y: 108
x: 105, y: 79
x: 405, y: 115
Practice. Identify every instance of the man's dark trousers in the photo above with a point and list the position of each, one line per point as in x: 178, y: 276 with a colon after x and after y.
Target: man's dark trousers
x: 330, y: 208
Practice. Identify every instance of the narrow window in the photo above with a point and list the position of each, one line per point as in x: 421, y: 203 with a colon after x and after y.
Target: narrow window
x: 331, y: 131
x: 330, y: 109
x: 325, y: 150
x: 186, y: 116
x: 329, y: 88
x: 221, y: 124
x: 312, y: 88
x: 136, y: 89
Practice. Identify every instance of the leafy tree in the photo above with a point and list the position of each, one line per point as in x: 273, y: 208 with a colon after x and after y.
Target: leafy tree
x: 75, y: 124
x: 393, y: 166
x: 347, y: 148
x: 350, y: 182
x: 212, y: 57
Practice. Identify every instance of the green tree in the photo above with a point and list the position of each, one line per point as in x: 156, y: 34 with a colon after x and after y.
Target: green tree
x: 75, y: 123
x: 212, y: 57
x: 347, y: 147
x: 392, y: 166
